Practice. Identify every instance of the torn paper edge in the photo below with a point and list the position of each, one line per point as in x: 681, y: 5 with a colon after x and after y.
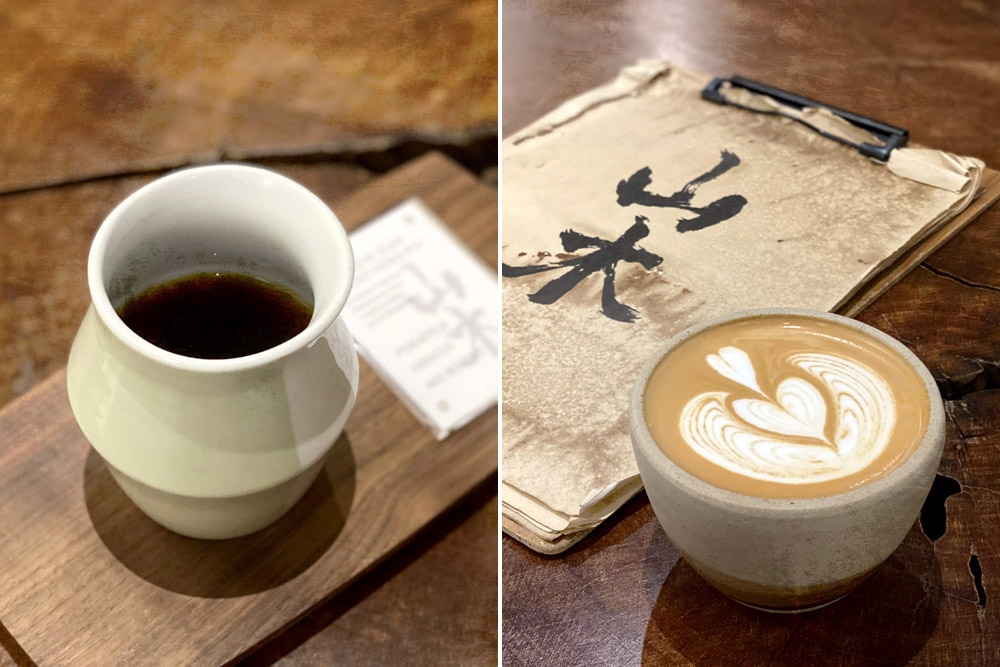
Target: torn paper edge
x: 629, y: 81
x: 600, y: 504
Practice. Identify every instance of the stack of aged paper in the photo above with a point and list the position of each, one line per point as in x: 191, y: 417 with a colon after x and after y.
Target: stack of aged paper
x: 638, y: 209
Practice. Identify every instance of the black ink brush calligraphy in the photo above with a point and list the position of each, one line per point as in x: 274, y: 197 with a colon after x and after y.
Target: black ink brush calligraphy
x: 633, y: 190
x: 604, y: 258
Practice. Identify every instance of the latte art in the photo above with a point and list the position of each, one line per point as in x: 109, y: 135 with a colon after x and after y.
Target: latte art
x: 800, y: 434
x: 785, y: 406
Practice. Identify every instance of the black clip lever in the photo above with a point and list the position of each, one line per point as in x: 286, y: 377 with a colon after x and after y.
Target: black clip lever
x: 891, y: 137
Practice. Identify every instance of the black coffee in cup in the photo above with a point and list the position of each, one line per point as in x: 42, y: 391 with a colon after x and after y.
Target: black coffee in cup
x: 216, y: 315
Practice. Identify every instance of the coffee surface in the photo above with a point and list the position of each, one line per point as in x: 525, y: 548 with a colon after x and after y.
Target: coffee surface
x: 216, y: 315
x: 781, y: 406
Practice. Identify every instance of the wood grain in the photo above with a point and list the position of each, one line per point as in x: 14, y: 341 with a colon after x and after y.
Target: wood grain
x: 925, y: 66
x: 120, y: 87
x: 907, y: 261
x: 433, y: 603
x: 75, y: 551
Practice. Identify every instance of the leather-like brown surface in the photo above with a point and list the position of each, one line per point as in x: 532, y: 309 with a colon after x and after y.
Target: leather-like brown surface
x: 623, y: 596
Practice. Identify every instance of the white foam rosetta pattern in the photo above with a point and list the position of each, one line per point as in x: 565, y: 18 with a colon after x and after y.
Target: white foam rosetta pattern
x: 785, y: 437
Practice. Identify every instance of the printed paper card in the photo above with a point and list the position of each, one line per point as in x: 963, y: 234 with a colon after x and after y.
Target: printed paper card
x: 423, y: 312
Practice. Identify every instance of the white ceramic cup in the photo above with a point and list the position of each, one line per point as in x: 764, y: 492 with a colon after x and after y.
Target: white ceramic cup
x: 779, y: 554
x: 215, y: 448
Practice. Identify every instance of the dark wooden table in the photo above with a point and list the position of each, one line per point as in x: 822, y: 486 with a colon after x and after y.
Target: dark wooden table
x: 97, y: 99
x: 623, y: 596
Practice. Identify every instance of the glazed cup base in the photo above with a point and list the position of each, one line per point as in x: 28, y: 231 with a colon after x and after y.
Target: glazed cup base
x: 779, y: 599
x: 224, y: 518
x: 791, y: 611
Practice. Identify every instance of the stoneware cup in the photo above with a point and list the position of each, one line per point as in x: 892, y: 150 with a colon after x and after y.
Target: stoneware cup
x: 777, y: 554
x: 215, y: 448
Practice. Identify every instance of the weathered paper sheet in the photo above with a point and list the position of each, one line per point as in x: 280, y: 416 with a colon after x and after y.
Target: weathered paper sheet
x: 637, y: 210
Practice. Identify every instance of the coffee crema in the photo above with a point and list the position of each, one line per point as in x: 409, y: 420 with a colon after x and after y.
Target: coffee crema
x: 786, y: 406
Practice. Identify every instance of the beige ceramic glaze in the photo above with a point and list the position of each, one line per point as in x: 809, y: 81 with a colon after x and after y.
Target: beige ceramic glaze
x: 215, y: 448
x: 786, y: 554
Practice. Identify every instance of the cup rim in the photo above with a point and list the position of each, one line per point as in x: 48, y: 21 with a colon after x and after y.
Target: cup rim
x: 930, y: 447
x: 321, y: 320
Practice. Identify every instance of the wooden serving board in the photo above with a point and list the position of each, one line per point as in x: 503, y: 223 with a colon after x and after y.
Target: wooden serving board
x: 87, y: 579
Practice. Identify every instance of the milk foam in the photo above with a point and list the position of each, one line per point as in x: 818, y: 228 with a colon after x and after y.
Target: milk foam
x: 799, y: 435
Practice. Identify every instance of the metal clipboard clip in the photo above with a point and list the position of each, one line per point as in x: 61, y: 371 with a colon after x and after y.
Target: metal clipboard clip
x: 891, y: 137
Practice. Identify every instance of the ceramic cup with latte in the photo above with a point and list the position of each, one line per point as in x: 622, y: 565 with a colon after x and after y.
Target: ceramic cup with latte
x: 786, y: 453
